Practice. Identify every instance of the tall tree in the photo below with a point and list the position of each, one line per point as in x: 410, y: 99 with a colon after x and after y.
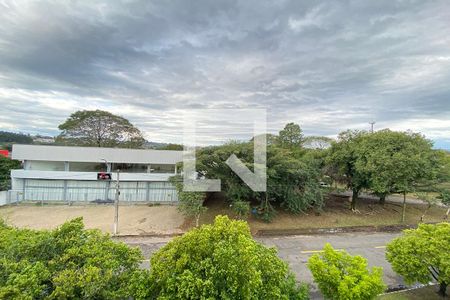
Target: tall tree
x: 344, y: 161
x: 291, y: 136
x: 397, y: 161
x: 99, y: 128
x: 292, y: 181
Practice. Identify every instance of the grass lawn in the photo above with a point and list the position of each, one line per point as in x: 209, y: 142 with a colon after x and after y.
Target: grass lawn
x: 428, y: 293
x: 336, y: 213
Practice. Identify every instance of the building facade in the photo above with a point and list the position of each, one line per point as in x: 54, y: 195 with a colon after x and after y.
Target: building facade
x: 69, y: 174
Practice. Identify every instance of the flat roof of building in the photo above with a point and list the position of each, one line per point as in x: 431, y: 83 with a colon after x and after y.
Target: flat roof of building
x: 95, y: 154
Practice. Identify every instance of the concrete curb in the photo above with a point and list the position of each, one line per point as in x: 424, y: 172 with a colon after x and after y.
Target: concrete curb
x: 297, y: 231
x: 348, y: 229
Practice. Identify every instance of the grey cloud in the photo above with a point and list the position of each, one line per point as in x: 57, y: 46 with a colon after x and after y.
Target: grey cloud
x: 327, y: 65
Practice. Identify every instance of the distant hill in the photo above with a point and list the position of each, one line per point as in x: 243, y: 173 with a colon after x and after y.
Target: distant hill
x: 162, y: 146
x: 11, y: 137
x: 8, y: 138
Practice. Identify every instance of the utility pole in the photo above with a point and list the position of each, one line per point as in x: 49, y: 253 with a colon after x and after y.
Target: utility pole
x: 116, y: 204
x: 371, y: 125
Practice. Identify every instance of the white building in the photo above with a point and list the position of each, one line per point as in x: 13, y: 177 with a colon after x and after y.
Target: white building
x: 60, y: 173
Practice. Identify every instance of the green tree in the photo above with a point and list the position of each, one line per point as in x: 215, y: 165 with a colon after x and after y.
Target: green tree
x: 12, y: 138
x: 422, y: 254
x: 190, y: 203
x: 318, y: 142
x: 176, y: 147
x: 342, y: 276
x: 67, y: 263
x: 6, y: 165
x: 346, y: 163
x: 97, y: 128
x: 396, y: 161
x: 221, y: 261
x: 293, y: 182
x: 444, y: 197
x: 291, y: 136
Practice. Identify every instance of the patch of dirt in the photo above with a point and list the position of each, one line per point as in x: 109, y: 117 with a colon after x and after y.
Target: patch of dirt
x: 336, y: 213
x: 133, y: 219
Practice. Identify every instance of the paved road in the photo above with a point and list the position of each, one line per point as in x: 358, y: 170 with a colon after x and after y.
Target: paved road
x: 297, y: 249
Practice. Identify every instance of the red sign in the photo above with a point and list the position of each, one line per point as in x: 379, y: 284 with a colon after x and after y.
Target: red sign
x: 4, y: 153
x: 103, y: 176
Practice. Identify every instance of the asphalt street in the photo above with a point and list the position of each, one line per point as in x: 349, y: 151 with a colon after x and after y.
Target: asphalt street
x: 296, y: 250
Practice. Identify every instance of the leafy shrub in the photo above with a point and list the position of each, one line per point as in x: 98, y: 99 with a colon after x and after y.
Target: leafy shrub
x: 190, y: 203
x: 422, y: 254
x: 221, y: 261
x: 342, y: 276
x: 66, y: 263
x: 241, y: 208
x: 293, y: 181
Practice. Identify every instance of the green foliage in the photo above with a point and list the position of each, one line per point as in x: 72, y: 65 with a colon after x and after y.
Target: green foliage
x: 444, y: 196
x: 241, y: 208
x: 12, y: 138
x: 97, y: 128
x: 66, y: 263
x: 292, y: 181
x: 190, y: 203
x: 318, y: 142
x: 344, y: 162
x: 422, y: 254
x: 342, y: 276
x: 221, y: 261
x: 291, y: 136
x: 385, y: 161
x: 6, y: 165
x: 176, y: 147
x: 397, y: 161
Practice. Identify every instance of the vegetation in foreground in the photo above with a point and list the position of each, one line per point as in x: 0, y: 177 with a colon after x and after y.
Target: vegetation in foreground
x: 216, y: 261
x: 341, y: 276
x: 219, y: 261
x: 67, y: 263
x: 422, y: 255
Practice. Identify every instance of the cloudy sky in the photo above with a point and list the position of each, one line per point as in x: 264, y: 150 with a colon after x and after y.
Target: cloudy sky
x: 328, y: 66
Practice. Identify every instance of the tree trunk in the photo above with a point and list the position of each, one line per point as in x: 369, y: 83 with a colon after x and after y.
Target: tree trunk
x: 446, y: 214
x: 382, y: 199
x: 355, y: 194
x: 425, y: 212
x: 443, y: 289
x: 404, y: 207
x: 197, y: 218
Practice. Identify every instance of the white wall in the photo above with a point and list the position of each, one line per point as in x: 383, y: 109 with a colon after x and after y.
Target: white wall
x: 3, y: 197
x: 90, y: 190
x: 45, y: 165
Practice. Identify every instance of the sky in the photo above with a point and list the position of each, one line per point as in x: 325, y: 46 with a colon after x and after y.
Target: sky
x: 326, y: 65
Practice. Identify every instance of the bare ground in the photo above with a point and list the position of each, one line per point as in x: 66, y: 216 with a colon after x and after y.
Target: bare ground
x: 336, y: 213
x: 133, y: 219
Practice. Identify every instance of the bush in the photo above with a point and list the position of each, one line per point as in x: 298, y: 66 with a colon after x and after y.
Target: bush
x: 241, y: 208
x: 422, y: 254
x: 66, y: 263
x: 190, y: 203
x: 221, y: 261
x: 342, y: 276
